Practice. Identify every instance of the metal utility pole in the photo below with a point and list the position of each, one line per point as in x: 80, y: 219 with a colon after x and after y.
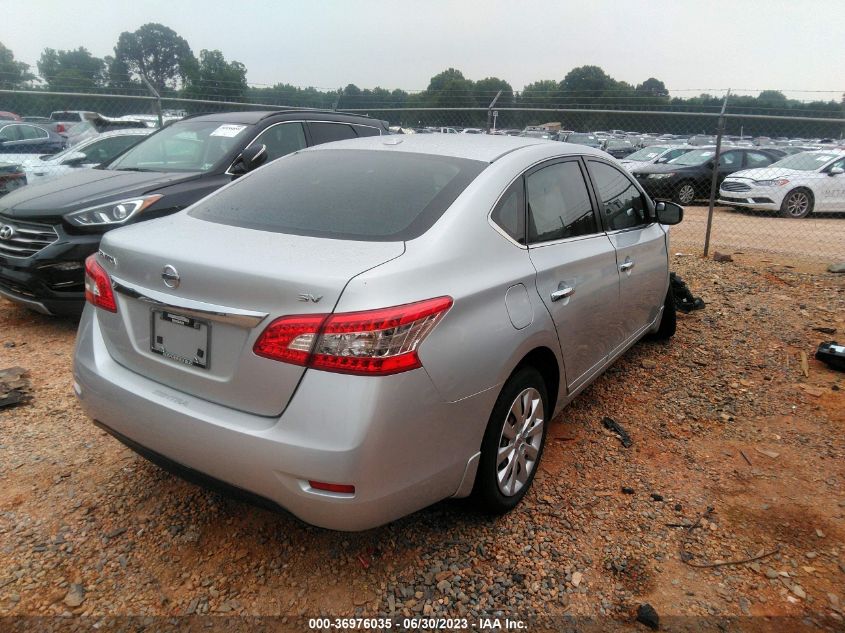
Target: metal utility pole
x: 714, y: 181
x: 490, y: 110
x: 157, y: 100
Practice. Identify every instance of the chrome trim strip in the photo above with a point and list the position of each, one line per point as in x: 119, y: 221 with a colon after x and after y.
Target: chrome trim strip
x: 190, y: 307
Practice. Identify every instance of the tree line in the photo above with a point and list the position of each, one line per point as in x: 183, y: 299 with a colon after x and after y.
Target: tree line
x: 155, y: 55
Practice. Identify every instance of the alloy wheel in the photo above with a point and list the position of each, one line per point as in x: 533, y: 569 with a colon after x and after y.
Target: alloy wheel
x: 797, y: 204
x: 519, y: 444
x: 686, y: 194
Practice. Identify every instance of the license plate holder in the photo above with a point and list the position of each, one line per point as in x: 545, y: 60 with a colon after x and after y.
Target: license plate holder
x: 180, y: 338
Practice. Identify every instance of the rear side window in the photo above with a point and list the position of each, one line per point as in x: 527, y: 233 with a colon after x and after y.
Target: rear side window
x: 558, y: 203
x: 366, y: 130
x: 623, y: 205
x: 328, y: 132
x: 368, y: 195
x: 509, y: 214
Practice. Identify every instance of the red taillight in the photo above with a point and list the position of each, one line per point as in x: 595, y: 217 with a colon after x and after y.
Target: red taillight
x: 344, y: 488
x: 98, y: 290
x: 371, y: 343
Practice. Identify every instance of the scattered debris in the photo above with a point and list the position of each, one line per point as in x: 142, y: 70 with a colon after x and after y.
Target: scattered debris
x: 684, y: 299
x: 836, y: 268
x: 722, y: 257
x: 612, y: 425
x: 805, y: 365
x: 627, y: 490
x: 656, y: 496
x: 767, y: 452
x: 745, y: 457
x: 14, y: 387
x: 647, y: 615
x: 742, y: 561
x: 825, y: 329
x: 75, y: 596
x: 833, y: 354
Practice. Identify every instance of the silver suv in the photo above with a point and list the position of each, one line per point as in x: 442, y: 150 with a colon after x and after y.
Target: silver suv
x: 361, y: 329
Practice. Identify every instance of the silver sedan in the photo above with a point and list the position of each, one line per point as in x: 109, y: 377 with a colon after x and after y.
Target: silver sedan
x: 364, y: 328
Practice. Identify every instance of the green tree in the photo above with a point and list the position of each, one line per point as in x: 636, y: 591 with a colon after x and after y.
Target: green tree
x: 450, y: 89
x: 485, y: 89
x: 653, y: 87
x: 590, y: 85
x: 215, y: 78
x: 71, y: 70
x: 541, y: 94
x: 156, y: 53
x: 13, y: 74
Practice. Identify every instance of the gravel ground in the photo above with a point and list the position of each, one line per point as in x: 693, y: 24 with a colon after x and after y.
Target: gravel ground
x: 729, y: 436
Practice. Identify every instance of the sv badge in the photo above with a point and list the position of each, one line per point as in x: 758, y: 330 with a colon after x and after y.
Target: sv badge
x: 306, y: 297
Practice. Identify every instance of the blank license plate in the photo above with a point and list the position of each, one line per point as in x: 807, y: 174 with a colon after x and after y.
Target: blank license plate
x: 180, y: 338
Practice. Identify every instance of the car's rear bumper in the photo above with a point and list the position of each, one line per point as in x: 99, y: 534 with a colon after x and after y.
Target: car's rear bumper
x: 393, y: 437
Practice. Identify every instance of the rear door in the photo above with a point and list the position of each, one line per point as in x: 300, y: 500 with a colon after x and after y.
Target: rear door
x: 577, y: 278
x: 641, y: 252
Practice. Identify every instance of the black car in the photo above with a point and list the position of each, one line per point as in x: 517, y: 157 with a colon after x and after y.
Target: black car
x: 47, y: 230
x: 583, y: 138
x: 687, y: 177
x: 618, y: 148
x: 26, y: 138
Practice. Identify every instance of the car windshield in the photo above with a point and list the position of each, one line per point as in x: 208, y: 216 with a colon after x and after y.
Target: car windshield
x: 344, y: 194
x: 619, y: 143
x: 647, y: 153
x: 184, y: 146
x: 695, y: 157
x: 806, y: 161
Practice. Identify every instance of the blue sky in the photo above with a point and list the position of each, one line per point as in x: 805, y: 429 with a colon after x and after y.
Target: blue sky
x: 692, y: 45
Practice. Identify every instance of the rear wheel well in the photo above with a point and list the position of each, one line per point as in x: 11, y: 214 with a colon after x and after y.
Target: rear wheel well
x: 544, y: 361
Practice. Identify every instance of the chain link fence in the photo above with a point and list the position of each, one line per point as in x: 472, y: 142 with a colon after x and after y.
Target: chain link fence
x: 768, y: 183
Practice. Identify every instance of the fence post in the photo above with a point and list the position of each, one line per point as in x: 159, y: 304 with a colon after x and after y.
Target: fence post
x: 714, y: 181
x: 157, y: 96
x: 490, y: 111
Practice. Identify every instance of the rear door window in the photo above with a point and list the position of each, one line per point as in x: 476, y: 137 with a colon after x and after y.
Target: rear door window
x: 559, y: 203
x: 366, y: 195
x: 328, y: 132
x: 756, y: 159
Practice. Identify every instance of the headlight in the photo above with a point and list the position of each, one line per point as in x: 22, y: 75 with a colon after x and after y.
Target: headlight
x: 111, y: 213
x: 779, y: 182
x: 660, y: 176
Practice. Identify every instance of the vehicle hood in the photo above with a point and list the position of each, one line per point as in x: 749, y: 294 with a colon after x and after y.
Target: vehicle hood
x: 767, y: 173
x: 84, y: 188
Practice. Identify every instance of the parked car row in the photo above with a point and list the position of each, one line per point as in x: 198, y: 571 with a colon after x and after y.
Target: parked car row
x: 258, y: 271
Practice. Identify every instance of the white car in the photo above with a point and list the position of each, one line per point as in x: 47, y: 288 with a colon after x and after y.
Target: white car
x: 654, y: 154
x: 795, y: 186
x: 88, y: 153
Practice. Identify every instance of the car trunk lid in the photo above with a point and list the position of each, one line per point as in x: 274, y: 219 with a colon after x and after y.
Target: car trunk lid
x: 196, y: 333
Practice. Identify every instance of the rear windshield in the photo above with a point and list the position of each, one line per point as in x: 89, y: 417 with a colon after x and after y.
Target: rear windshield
x: 344, y: 194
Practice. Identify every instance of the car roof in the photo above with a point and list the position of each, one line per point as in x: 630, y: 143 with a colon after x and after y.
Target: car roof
x: 255, y: 116
x: 482, y: 147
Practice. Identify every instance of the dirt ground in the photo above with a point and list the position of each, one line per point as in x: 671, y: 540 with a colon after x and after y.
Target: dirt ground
x: 738, y: 453
x: 819, y: 236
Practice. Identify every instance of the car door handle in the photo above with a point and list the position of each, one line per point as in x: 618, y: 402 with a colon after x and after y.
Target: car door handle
x: 626, y: 266
x: 563, y: 293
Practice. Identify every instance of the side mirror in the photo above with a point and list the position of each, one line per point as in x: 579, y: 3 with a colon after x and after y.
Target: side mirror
x: 75, y: 159
x: 251, y: 158
x: 836, y: 171
x: 668, y: 212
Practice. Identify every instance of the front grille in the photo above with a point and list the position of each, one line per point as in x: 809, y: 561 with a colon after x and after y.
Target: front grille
x: 735, y: 186
x: 24, y: 239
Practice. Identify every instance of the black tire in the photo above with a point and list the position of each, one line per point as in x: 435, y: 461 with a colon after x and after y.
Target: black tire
x: 684, y: 193
x: 487, y: 492
x: 797, y: 204
x: 669, y: 320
